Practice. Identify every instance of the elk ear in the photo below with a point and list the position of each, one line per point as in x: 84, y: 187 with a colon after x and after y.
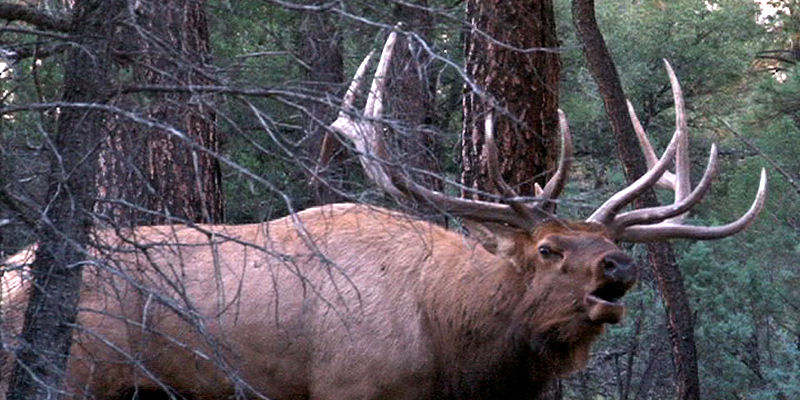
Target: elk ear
x: 501, y: 240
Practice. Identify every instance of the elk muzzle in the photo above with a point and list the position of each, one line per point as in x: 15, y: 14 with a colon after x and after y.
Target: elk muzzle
x: 619, y: 267
x: 616, y: 272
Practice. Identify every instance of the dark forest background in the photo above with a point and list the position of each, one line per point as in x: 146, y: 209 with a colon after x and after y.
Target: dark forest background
x: 124, y: 113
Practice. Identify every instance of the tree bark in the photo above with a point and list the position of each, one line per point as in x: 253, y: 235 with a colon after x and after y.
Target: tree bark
x: 510, y: 58
x: 64, y: 228
x: 661, y: 255
x: 147, y: 176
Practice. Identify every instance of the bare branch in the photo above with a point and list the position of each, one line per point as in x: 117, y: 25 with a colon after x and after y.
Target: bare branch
x: 24, y: 52
x: 789, y: 178
x: 33, y: 16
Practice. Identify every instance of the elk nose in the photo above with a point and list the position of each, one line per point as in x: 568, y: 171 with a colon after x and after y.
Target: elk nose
x: 619, y: 267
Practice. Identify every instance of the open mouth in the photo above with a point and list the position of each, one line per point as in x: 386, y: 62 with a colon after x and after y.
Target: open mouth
x: 603, y: 303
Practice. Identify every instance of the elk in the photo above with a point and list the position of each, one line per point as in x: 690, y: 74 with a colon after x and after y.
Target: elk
x: 352, y: 301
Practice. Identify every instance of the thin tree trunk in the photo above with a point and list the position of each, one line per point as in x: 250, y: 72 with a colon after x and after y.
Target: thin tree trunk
x: 412, y: 91
x: 64, y: 228
x: 661, y: 255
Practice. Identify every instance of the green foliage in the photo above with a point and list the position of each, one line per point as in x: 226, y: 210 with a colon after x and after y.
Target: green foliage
x: 23, y: 135
x: 709, y: 43
x: 710, y: 49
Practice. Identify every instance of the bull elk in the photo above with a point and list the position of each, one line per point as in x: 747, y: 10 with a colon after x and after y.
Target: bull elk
x: 350, y: 301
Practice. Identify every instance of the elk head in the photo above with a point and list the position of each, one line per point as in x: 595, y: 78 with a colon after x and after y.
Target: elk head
x: 525, y: 232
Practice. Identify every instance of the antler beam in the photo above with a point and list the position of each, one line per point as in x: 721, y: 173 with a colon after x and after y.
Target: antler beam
x: 365, y: 133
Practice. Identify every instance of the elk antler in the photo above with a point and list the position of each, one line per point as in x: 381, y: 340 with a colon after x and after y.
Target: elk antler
x: 366, y: 135
x: 666, y: 222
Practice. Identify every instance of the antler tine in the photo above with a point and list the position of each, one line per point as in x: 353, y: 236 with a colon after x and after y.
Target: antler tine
x: 648, y: 233
x: 374, y: 106
x: 680, y: 181
x: 326, y: 146
x: 497, y: 178
x: 665, y: 181
x: 554, y: 186
x: 682, y: 166
x: 658, y: 214
x: 365, y: 136
x: 355, y: 84
x: 606, y: 212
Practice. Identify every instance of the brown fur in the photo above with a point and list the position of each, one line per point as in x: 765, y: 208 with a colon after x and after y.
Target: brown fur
x: 364, y: 303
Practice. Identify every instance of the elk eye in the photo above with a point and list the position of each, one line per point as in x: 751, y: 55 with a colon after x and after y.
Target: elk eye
x: 546, y: 251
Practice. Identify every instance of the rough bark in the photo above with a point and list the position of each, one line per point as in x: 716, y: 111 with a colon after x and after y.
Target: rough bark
x: 510, y: 58
x: 661, y: 255
x: 64, y: 227
x: 147, y: 176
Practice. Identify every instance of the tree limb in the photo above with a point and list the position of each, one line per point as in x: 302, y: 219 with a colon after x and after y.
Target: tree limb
x: 24, y: 52
x: 35, y: 17
x: 789, y: 178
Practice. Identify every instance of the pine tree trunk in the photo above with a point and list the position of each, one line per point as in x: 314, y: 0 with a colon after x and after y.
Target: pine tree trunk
x: 411, y: 91
x: 661, y: 255
x: 147, y: 175
x: 64, y: 231
x: 510, y: 58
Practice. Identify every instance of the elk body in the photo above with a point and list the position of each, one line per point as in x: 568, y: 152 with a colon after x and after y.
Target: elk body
x: 351, y: 301
x: 381, y: 306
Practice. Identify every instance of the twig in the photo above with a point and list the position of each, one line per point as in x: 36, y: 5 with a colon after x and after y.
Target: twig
x: 761, y: 154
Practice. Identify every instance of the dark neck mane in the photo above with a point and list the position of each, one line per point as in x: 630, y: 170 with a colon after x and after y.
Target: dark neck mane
x: 483, y: 344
